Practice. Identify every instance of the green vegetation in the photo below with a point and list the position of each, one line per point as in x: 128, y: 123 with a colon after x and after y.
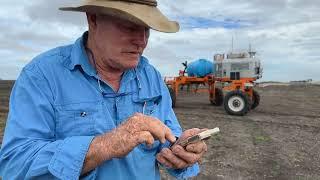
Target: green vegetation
x: 261, y: 139
x: 276, y: 169
x: 216, y: 137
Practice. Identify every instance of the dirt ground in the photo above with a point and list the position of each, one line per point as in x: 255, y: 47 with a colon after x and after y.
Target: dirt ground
x: 278, y: 140
x: 5, y: 88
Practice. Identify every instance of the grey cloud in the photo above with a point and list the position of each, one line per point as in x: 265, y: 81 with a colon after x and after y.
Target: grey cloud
x: 14, y: 47
x: 36, y: 26
x: 9, y: 72
x: 164, y: 59
x: 30, y: 37
x: 262, y: 13
x: 285, y: 34
x: 305, y: 3
x: 41, y: 11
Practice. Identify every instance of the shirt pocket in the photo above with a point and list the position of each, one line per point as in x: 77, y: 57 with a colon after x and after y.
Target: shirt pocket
x: 77, y: 119
x: 148, y: 106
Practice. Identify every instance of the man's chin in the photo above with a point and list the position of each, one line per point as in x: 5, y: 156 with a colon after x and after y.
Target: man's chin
x: 128, y: 63
x: 134, y: 61
x: 134, y: 65
x: 131, y: 65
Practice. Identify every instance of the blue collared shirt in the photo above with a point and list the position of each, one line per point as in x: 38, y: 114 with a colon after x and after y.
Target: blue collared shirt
x: 57, y: 108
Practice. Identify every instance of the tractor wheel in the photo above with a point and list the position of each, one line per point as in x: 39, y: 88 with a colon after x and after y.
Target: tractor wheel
x: 218, y: 97
x: 255, y: 99
x: 237, y: 103
x: 173, y: 96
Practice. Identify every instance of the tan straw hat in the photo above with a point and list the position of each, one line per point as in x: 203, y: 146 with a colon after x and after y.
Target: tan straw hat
x: 143, y: 12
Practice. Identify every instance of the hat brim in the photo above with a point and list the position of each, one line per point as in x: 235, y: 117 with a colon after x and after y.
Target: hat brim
x: 149, y: 16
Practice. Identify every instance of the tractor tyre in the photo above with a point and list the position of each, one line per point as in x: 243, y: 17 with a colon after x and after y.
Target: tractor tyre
x: 237, y: 103
x: 218, y: 97
x: 173, y: 96
x: 255, y: 99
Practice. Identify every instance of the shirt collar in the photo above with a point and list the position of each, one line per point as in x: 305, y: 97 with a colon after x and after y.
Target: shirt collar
x: 79, y: 56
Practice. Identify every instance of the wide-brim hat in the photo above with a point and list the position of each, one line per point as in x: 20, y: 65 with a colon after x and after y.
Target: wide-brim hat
x: 143, y: 12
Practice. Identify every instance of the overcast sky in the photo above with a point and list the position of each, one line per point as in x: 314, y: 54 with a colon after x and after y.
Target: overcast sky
x: 285, y: 33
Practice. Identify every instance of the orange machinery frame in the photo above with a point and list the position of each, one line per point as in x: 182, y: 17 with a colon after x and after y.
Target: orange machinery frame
x: 239, y: 85
x: 186, y: 80
x: 210, y: 80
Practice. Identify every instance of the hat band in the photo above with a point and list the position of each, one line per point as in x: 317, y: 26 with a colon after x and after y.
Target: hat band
x: 144, y: 2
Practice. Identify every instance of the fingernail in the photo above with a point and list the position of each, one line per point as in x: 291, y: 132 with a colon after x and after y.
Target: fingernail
x: 173, y: 138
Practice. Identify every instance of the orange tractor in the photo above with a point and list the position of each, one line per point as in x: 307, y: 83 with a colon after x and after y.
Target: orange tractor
x: 231, y: 84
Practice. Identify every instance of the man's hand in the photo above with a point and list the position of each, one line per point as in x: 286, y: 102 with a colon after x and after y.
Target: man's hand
x: 119, y: 142
x: 136, y: 130
x: 177, y: 157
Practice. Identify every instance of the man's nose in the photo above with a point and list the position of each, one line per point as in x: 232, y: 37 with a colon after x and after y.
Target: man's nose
x: 140, y: 38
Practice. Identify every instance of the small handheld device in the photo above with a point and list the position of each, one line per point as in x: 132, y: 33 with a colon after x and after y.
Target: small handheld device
x: 198, y: 137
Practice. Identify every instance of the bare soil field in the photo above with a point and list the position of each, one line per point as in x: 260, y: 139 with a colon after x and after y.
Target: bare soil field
x: 5, y: 88
x: 278, y: 140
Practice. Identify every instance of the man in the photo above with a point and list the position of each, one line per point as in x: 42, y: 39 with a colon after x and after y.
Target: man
x: 97, y: 109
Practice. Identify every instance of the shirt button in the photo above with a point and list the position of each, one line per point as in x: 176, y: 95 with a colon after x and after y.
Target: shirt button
x: 83, y: 114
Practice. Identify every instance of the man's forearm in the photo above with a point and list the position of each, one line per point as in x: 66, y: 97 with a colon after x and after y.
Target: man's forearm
x: 122, y: 140
x: 114, y: 144
x: 98, y: 153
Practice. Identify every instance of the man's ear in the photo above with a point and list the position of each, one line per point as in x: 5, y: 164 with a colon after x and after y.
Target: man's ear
x: 92, y: 20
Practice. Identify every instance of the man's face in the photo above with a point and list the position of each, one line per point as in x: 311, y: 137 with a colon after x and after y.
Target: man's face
x: 119, y: 42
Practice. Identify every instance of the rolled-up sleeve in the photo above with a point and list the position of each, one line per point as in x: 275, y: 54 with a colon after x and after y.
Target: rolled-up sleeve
x: 30, y: 149
x: 172, y: 122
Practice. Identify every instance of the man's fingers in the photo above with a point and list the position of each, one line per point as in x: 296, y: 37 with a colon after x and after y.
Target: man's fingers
x: 158, y: 129
x: 144, y: 137
x: 173, y: 159
x: 190, y: 132
x: 188, y: 157
x: 193, y: 131
x: 169, y: 135
x: 197, y: 148
x: 164, y: 161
